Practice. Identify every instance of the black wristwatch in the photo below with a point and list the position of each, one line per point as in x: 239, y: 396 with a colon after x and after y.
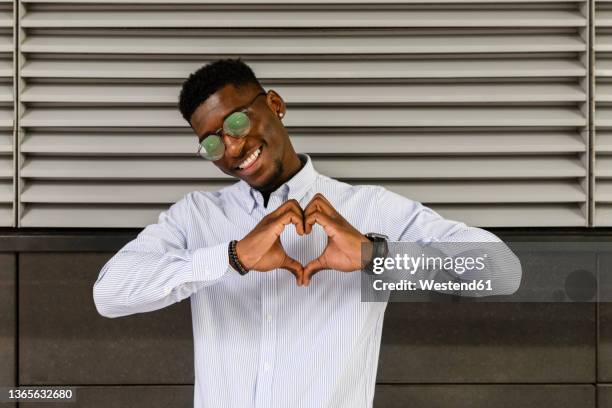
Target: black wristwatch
x: 380, y: 246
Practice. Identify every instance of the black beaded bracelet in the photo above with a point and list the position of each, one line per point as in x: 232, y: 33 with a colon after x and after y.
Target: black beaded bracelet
x: 234, y: 258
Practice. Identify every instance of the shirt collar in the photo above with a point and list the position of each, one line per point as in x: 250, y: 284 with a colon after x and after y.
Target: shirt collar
x: 295, y: 188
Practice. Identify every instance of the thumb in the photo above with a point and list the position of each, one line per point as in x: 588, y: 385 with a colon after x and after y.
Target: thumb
x: 294, y: 267
x: 312, y: 268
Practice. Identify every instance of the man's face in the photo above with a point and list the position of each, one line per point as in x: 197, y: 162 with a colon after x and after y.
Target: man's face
x: 267, y: 133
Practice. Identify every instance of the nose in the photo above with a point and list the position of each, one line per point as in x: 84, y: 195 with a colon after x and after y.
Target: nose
x: 233, y: 145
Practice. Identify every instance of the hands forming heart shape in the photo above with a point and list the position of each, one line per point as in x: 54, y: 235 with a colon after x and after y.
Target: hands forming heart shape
x: 261, y: 249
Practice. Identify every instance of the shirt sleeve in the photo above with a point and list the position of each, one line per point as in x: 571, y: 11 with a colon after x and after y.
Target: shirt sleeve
x: 404, y: 220
x: 156, y: 269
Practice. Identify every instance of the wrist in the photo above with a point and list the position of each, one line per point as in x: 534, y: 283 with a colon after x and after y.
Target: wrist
x: 367, y: 248
x: 240, y: 255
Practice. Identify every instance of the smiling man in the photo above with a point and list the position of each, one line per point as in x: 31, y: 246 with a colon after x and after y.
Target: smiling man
x: 267, y: 331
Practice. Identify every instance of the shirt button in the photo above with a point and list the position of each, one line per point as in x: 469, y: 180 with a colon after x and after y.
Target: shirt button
x: 266, y: 366
x: 269, y: 317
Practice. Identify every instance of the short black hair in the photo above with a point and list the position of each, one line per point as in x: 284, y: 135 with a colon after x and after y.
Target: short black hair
x: 209, y: 78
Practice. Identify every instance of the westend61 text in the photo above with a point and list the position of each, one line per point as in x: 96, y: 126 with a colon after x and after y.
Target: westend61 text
x: 423, y: 284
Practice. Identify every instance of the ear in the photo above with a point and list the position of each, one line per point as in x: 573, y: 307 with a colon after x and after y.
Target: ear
x: 276, y: 103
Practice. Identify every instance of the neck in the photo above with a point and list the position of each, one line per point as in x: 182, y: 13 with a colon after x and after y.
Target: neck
x: 293, y: 166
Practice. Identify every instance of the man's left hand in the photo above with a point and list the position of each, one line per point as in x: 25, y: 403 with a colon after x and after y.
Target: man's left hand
x: 343, y: 250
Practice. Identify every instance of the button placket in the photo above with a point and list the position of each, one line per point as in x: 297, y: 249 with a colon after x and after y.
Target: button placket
x: 267, y: 355
x: 268, y: 341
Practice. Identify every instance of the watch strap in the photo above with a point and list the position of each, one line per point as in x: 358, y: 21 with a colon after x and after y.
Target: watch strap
x: 380, y: 249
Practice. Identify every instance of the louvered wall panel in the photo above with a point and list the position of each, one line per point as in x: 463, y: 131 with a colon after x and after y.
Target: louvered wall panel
x: 7, y: 105
x: 602, y: 134
x: 478, y: 109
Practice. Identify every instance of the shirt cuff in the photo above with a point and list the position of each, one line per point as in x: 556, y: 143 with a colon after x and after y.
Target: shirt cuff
x: 211, y: 263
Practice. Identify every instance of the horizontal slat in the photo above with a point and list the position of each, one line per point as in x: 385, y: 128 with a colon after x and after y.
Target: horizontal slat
x: 603, y: 92
x: 515, y: 216
x: 6, y: 167
x: 6, y: 19
x: 378, y: 69
x: 429, y: 192
x: 302, y: 44
x: 137, y: 216
x: 6, y: 119
x: 6, y: 192
x: 101, y: 192
x: 6, y: 216
x: 6, y: 143
x: 603, y: 68
x: 175, y: 143
x: 6, y: 93
x: 94, y: 216
x: 6, y: 68
x: 387, y: 168
x: 283, y: 17
x: 6, y: 44
x: 603, y: 166
x: 603, y: 216
x: 603, y: 141
x: 449, y: 167
x: 102, y: 93
x: 318, y: 93
x: 282, y: 2
x: 602, y: 116
x: 602, y: 42
x: 474, y: 192
x: 603, y: 191
x: 318, y: 116
x: 603, y: 18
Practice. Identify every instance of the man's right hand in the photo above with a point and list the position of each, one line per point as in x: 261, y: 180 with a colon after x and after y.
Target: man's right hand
x: 261, y: 249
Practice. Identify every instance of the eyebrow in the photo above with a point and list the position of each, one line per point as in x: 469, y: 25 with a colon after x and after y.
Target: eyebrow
x: 205, y: 135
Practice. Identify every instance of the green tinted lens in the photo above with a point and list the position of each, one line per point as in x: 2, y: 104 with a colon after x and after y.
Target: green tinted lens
x: 212, y: 148
x: 237, y: 124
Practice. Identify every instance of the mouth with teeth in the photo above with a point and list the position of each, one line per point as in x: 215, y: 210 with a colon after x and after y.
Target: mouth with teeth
x: 250, y: 163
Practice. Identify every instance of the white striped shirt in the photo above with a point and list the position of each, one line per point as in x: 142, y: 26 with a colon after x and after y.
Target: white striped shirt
x: 259, y: 339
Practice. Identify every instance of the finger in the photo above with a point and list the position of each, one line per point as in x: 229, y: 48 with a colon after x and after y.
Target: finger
x: 319, y: 202
x: 293, y: 217
x: 293, y: 206
x: 317, y: 217
x: 289, y: 204
x: 322, y: 197
x: 312, y: 269
x: 295, y: 268
x: 286, y: 206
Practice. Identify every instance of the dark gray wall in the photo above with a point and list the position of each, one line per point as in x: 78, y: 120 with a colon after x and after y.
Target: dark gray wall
x: 454, y: 354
